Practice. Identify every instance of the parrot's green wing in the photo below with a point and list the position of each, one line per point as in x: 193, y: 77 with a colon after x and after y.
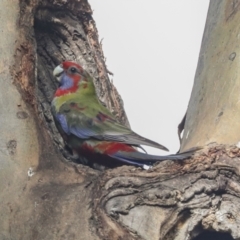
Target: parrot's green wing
x: 91, y: 120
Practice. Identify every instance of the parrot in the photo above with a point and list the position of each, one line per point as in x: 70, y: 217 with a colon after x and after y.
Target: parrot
x: 90, y: 130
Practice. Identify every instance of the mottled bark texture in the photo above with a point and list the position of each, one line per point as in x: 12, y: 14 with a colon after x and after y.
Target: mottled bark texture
x: 44, y: 195
x: 213, y: 112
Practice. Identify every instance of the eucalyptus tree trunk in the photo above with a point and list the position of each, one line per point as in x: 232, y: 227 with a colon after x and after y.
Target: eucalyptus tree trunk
x: 44, y: 195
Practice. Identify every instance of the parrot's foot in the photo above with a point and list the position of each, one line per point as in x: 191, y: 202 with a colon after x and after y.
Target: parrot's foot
x: 74, y: 158
x: 98, y: 167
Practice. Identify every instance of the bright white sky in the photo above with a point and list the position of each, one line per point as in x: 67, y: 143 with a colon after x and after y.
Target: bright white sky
x: 152, y: 48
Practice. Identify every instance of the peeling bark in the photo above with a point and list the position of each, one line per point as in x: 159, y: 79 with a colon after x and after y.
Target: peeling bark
x: 44, y: 195
x: 173, y: 200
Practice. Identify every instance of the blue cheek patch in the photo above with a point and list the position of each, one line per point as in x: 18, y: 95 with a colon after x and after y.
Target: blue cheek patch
x: 66, y: 82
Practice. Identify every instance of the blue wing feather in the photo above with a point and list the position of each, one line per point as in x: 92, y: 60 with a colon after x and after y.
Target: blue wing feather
x: 82, y: 133
x: 63, y: 122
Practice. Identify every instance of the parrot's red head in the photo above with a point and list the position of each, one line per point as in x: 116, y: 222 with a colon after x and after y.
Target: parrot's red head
x: 69, y: 75
x: 72, y: 69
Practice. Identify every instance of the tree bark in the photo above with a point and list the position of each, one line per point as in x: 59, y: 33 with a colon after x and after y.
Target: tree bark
x: 44, y: 195
x: 213, y: 110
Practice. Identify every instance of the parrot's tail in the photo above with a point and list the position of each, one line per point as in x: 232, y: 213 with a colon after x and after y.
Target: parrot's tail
x: 142, y: 159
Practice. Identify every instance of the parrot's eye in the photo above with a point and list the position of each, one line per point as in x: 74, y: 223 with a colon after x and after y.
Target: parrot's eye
x: 73, y: 70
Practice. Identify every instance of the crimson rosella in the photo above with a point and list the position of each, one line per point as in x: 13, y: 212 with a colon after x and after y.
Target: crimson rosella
x: 90, y: 130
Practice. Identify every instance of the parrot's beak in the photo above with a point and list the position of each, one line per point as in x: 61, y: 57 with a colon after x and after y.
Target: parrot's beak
x: 58, y: 71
